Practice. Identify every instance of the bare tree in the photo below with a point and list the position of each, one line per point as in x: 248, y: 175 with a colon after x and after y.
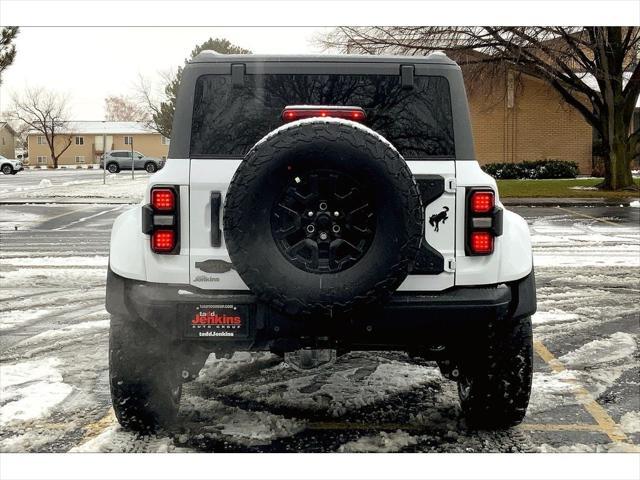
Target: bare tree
x: 44, y: 112
x: 154, y: 104
x: 594, y: 69
x: 119, y: 108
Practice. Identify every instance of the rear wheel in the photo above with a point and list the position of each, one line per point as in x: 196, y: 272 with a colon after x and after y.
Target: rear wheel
x: 495, y: 382
x: 150, y: 167
x: 7, y: 169
x: 145, y: 379
x: 113, y: 168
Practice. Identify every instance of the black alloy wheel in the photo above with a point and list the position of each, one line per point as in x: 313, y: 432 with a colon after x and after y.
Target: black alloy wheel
x: 324, y: 221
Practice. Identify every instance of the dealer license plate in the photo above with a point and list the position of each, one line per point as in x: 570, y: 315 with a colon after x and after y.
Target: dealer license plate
x: 215, y: 321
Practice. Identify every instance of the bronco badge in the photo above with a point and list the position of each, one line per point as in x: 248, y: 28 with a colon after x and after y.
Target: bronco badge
x: 436, y: 218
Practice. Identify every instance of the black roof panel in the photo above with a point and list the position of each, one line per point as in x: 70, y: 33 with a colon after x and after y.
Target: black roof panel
x: 209, y: 56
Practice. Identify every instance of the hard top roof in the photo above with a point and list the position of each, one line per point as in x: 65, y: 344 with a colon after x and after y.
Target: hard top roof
x: 210, y: 56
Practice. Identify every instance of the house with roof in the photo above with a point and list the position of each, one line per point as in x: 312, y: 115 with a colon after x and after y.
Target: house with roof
x: 7, y: 140
x: 84, y: 142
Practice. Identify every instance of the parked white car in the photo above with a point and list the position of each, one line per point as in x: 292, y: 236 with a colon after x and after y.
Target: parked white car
x: 9, y: 166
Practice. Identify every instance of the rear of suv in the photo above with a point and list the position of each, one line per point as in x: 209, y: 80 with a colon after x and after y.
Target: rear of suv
x: 321, y: 202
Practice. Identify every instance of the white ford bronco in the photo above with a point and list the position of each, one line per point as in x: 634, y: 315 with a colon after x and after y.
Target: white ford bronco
x: 313, y: 204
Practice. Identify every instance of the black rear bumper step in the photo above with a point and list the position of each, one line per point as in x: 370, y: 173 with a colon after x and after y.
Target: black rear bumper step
x: 409, y: 320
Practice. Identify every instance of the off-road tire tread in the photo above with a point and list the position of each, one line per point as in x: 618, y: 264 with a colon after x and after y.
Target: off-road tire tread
x: 141, y: 372
x: 253, y: 166
x: 500, y: 382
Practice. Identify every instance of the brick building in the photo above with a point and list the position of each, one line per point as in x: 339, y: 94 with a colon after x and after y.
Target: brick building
x: 522, y: 118
x: 86, y: 142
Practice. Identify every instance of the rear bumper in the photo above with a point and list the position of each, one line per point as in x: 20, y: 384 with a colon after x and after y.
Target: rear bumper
x: 408, y: 321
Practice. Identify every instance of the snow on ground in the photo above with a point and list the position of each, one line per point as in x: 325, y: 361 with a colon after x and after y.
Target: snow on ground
x: 635, y: 204
x: 30, y: 389
x: 93, y: 261
x: 615, y: 348
x: 583, y: 245
x: 616, y: 447
x: 10, y: 219
x: 55, y: 333
x: 554, y: 316
x: 335, y: 389
x: 383, y: 442
x: 118, y: 186
x: 630, y: 422
x: 232, y: 423
x: 78, y: 276
x: 116, y: 440
x: 10, y: 319
x: 65, y: 333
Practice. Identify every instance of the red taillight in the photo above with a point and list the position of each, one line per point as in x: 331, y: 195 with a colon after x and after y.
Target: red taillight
x: 482, y: 202
x: 161, y: 220
x: 163, y: 199
x: 484, y: 221
x: 163, y: 240
x: 290, y: 114
x: 481, y: 242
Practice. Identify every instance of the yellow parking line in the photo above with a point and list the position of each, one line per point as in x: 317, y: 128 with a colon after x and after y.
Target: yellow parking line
x: 569, y: 427
x: 599, y: 414
x: 576, y: 427
x: 589, y: 216
x: 361, y: 426
x: 94, y: 429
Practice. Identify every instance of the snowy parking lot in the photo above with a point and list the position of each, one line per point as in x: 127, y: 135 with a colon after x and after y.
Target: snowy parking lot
x: 54, y: 335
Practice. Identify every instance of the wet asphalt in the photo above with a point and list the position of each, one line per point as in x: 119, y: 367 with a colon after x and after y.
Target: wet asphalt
x: 54, y: 261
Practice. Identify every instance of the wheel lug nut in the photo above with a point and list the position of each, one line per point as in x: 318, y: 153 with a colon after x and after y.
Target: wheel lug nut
x: 336, y: 228
x: 311, y: 228
x: 323, y: 206
x: 323, y: 236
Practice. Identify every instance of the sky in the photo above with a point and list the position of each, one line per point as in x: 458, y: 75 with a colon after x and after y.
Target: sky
x: 91, y: 63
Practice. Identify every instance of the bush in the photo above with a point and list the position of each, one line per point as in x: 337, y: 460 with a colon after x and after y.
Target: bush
x: 505, y: 171
x: 539, y: 169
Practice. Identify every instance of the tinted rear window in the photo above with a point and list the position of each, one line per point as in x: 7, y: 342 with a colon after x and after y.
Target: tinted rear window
x: 228, y: 120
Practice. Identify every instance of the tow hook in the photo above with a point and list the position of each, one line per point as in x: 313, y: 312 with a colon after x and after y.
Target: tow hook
x: 309, y: 358
x: 449, y: 370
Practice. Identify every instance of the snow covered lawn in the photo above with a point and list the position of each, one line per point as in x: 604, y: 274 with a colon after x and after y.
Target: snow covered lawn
x: 118, y: 186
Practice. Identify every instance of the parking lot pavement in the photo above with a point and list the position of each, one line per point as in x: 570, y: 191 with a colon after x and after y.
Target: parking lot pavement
x: 72, y: 186
x: 54, y: 335
x: 32, y: 178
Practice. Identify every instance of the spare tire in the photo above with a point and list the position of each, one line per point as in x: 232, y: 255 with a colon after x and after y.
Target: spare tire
x: 323, y: 216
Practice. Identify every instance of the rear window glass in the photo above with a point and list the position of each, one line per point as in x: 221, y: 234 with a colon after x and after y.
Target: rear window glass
x: 228, y: 120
